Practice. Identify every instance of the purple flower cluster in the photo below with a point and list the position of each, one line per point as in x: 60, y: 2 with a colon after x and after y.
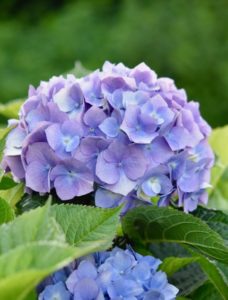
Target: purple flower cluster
x: 116, y: 275
x: 123, y: 133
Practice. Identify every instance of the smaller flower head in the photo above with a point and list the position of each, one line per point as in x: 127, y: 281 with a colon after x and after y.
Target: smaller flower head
x: 116, y: 274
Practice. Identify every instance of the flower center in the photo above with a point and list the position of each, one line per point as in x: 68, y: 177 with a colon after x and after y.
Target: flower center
x: 120, y: 164
x: 66, y: 140
x: 156, y: 117
x: 77, y: 105
x: 72, y: 174
x: 155, y: 185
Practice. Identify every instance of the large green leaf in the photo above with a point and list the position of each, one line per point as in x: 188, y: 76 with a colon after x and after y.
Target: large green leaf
x: 35, y: 244
x: 6, y: 212
x: 216, y: 219
x: 146, y: 225
x: 84, y: 227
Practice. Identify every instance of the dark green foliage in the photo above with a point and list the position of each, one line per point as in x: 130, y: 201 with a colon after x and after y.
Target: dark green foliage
x: 7, y: 183
x: 146, y: 225
x: 202, y: 246
x: 206, y: 292
x: 185, y: 40
x: 216, y: 219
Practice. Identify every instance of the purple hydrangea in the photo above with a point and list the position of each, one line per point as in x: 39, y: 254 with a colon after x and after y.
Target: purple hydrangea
x: 121, y: 133
x: 117, y: 275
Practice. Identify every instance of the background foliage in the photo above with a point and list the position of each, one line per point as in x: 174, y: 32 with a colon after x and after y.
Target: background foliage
x: 186, y: 40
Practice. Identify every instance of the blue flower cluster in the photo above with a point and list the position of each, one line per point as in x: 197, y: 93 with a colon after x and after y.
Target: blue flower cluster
x: 116, y: 275
x: 123, y: 133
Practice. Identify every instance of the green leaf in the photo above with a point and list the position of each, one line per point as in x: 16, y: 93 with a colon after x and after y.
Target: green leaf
x: 31, y: 201
x: 216, y: 219
x: 11, y: 109
x: 163, y: 250
x: 7, y: 183
x: 145, y: 225
x: 3, y: 135
x: 171, y: 265
x: 206, y: 292
x: 215, y: 276
x: 223, y: 268
x: 188, y: 277
x: 83, y: 225
x: 213, y: 273
x: 13, y: 195
x: 37, y: 243
x: 6, y: 212
x: 32, y: 295
x: 2, y: 173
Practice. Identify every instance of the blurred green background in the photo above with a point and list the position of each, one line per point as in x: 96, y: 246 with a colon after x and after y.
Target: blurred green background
x: 185, y: 40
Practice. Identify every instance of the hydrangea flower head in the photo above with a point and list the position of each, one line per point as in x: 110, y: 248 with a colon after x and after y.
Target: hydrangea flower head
x: 115, y: 275
x: 123, y: 134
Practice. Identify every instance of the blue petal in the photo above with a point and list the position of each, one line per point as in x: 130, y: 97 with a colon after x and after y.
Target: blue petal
x: 54, y: 292
x: 110, y: 127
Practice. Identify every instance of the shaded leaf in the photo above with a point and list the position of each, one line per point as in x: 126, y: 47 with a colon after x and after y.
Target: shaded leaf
x: 163, y: 250
x: 186, y: 279
x: 145, y: 225
x: 206, y: 292
x: 6, y: 212
x: 31, y: 201
x: 213, y: 273
x: 7, y: 183
x: 223, y: 268
x: 216, y: 219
